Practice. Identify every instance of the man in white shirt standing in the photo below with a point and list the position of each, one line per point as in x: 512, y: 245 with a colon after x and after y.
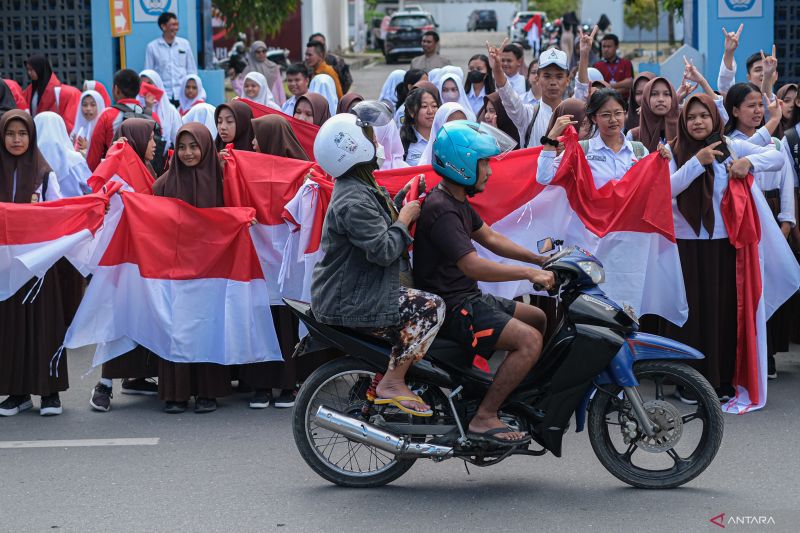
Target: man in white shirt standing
x: 297, y: 79
x: 171, y: 56
x: 512, y: 58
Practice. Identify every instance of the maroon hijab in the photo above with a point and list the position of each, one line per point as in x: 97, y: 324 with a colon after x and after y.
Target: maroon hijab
x: 242, y: 114
x: 138, y: 131
x: 275, y: 137
x: 200, y: 185
x: 31, y: 168
x: 696, y: 202
x: 347, y: 102
x: 319, y: 107
x: 652, y: 128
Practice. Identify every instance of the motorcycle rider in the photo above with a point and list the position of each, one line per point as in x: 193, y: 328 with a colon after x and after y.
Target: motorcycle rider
x: 446, y: 263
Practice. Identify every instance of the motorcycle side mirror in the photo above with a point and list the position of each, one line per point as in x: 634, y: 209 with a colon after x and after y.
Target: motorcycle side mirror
x: 546, y: 245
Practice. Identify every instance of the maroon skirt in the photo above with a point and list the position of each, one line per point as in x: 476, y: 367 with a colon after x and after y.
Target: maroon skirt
x: 138, y: 363
x: 30, y: 336
x: 709, y: 275
x: 177, y: 382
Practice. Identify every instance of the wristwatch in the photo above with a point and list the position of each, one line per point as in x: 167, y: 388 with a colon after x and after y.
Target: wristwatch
x: 547, y: 140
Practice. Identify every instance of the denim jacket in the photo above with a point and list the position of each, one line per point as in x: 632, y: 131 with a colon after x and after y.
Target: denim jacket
x: 357, y: 282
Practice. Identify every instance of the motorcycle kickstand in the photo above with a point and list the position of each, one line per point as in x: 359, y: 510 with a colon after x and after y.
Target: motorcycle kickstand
x: 463, y: 441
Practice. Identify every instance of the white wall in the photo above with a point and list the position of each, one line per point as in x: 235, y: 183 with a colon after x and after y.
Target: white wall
x: 615, y: 10
x: 328, y: 17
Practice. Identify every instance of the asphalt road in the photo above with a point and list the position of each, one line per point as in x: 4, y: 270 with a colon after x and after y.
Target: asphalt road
x: 238, y: 470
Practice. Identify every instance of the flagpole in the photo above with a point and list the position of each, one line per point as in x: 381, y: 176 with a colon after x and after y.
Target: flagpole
x: 122, y: 52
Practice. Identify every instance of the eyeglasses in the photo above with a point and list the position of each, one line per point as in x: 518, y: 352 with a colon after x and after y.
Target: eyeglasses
x: 617, y: 115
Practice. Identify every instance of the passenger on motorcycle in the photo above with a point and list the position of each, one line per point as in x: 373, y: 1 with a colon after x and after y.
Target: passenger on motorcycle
x: 365, y: 239
x: 447, y: 264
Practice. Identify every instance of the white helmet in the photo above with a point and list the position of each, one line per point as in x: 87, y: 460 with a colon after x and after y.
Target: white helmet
x: 342, y: 144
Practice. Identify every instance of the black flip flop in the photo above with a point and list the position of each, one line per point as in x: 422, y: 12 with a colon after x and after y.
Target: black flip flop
x: 489, y: 436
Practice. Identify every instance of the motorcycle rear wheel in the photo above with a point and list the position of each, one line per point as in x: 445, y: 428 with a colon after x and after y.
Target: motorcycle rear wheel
x: 620, y: 464
x: 341, y: 385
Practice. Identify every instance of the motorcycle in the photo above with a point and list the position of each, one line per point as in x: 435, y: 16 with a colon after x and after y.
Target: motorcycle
x: 597, y: 366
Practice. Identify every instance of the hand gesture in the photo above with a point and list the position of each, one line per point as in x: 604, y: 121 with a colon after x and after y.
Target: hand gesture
x: 121, y: 140
x: 561, y: 124
x: 586, y: 42
x: 494, y: 54
x: 690, y: 72
x: 685, y: 89
x: 770, y: 64
x: 706, y: 155
x: 739, y: 168
x: 774, y: 108
x: 81, y: 143
x: 224, y: 154
x: 409, y: 213
x: 663, y: 152
x: 732, y: 39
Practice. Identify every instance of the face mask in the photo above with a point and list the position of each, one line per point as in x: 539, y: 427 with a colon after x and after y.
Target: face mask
x: 475, y: 76
x: 450, y: 96
x: 380, y: 155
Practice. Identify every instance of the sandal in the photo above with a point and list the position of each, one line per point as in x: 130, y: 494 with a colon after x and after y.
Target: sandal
x: 489, y: 436
x: 395, y: 402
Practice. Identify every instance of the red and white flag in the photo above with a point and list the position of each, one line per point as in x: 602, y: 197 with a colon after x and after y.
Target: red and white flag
x: 627, y: 224
x: 183, y: 282
x: 767, y: 274
x: 305, y: 131
x: 267, y: 183
x: 122, y: 165
x: 33, y: 237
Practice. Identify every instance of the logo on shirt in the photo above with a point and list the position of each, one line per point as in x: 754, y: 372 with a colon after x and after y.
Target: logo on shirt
x: 345, y: 142
x: 592, y: 157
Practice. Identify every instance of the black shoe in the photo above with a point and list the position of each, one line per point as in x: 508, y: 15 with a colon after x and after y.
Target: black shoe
x: 175, y: 408
x: 261, y: 399
x: 205, y: 405
x: 725, y: 393
x: 772, y: 372
x: 101, y: 398
x: 51, y: 405
x: 685, y: 395
x: 141, y: 386
x: 286, y: 399
x: 14, y: 405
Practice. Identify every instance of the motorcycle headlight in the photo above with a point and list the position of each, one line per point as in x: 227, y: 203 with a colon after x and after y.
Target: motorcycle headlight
x: 594, y: 271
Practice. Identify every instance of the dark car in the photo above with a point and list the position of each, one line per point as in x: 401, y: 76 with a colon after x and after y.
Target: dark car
x: 404, y: 34
x: 482, y: 19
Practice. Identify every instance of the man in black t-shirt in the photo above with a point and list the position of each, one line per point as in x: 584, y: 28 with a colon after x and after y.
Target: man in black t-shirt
x: 446, y: 263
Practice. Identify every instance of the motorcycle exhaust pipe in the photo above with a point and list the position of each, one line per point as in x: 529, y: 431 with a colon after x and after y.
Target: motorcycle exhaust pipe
x: 366, y: 433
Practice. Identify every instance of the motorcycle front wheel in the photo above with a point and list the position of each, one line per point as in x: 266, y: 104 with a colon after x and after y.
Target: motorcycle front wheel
x: 688, y: 439
x: 341, y: 385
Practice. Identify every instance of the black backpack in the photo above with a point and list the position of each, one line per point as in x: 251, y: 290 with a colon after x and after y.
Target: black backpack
x: 160, y: 159
x: 342, y: 70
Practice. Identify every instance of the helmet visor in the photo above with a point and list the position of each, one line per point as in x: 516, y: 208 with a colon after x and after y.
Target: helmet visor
x: 505, y: 143
x: 372, y: 113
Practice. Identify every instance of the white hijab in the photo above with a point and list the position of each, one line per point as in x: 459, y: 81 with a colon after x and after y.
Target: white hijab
x: 439, y: 119
x: 204, y: 114
x: 389, y: 137
x: 53, y: 142
x: 83, y: 127
x: 389, y: 90
x: 168, y: 116
x: 324, y: 85
x: 462, y: 94
x: 265, y: 96
x: 187, y: 104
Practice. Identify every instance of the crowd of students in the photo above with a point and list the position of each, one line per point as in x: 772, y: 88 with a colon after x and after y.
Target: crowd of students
x: 55, y: 136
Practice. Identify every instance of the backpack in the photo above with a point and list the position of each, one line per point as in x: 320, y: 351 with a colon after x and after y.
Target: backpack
x: 342, y: 70
x: 159, y: 161
x: 639, y: 151
x: 794, y: 148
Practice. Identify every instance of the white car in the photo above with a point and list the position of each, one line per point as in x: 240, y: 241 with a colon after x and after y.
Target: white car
x: 516, y: 33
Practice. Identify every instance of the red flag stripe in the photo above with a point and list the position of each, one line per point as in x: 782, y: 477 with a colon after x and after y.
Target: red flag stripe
x: 47, y: 221
x: 306, y: 132
x: 121, y: 160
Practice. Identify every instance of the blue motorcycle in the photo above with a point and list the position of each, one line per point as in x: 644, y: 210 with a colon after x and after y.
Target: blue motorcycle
x: 597, y: 363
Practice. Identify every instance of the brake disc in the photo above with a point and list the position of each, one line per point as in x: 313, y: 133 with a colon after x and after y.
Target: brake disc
x: 669, y: 422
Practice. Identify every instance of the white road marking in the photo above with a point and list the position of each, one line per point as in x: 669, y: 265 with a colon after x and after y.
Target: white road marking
x: 77, y: 443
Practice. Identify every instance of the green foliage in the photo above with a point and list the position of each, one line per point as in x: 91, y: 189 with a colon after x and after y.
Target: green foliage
x: 675, y: 6
x: 554, y: 8
x: 641, y: 14
x: 265, y: 16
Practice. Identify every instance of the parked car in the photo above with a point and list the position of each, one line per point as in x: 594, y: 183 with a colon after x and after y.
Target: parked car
x: 516, y: 34
x: 482, y: 19
x: 404, y: 34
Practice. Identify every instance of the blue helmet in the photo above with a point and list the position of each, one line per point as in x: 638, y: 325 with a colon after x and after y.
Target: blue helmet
x: 459, y: 146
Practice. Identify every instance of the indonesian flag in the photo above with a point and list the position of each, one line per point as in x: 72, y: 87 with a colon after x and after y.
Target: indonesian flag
x: 305, y: 131
x: 267, y: 183
x: 150, y: 89
x: 627, y: 224
x: 33, y: 237
x: 183, y: 282
x: 767, y: 274
x: 122, y: 165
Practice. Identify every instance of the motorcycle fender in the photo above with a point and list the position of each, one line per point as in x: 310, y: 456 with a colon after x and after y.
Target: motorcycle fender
x: 583, y: 408
x: 640, y: 347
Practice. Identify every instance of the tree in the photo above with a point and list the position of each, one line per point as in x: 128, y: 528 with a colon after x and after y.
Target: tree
x: 675, y: 10
x: 267, y: 16
x: 642, y: 14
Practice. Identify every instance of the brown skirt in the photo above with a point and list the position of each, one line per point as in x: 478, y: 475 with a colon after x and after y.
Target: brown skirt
x: 30, y: 335
x: 709, y: 274
x: 288, y: 373
x: 138, y: 363
x: 177, y: 382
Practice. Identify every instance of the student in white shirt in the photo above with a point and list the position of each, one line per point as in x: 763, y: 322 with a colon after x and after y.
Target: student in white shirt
x: 69, y: 166
x: 421, y: 106
x: 511, y: 58
x: 298, y: 78
x: 534, y: 94
x: 257, y: 90
x: 479, y: 82
x: 171, y: 56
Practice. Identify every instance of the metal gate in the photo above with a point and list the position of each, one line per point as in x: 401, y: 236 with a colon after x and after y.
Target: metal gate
x: 787, y: 40
x: 59, y: 29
